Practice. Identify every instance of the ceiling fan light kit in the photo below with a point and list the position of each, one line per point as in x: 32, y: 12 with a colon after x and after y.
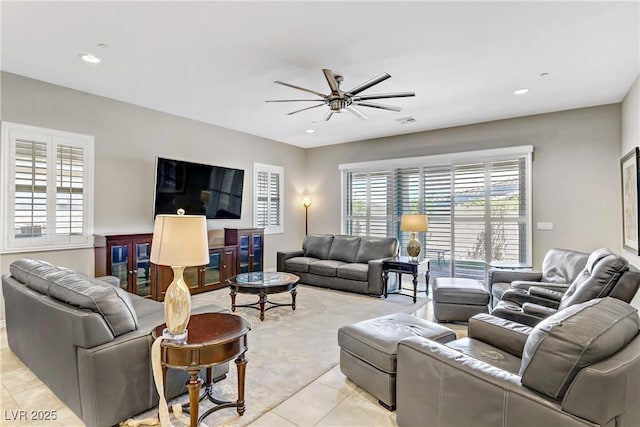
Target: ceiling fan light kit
x: 340, y: 101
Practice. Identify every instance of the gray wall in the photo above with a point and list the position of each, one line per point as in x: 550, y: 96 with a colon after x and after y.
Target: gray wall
x: 631, y: 139
x: 127, y: 140
x: 575, y: 171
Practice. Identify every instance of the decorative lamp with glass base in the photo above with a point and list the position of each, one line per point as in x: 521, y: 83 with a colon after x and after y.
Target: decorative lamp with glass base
x: 414, y: 223
x: 179, y: 241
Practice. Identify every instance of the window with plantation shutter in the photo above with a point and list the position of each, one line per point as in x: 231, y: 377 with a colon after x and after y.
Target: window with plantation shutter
x: 48, y: 175
x: 478, y: 206
x: 268, y: 198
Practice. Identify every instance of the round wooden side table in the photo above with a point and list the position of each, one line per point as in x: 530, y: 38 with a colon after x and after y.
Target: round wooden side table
x: 214, y: 338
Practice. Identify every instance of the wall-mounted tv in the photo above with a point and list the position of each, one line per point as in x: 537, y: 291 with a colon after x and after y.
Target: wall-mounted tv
x: 214, y: 191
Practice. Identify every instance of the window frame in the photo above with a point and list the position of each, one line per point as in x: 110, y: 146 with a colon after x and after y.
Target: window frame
x: 52, y: 138
x: 442, y: 160
x: 270, y: 170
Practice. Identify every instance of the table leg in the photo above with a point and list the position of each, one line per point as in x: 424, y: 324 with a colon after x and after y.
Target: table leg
x: 385, y: 279
x: 233, y: 299
x: 415, y: 287
x: 262, y: 301
x: 241, y: 366
x: 426, y: 276
x: 193, y: 386
x: 294, y: 292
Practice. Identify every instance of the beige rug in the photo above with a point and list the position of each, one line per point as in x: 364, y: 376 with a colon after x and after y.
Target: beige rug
x: 290, y: 349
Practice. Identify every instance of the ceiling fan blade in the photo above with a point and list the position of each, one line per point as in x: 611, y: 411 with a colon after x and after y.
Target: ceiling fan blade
x: 383, y: 95
x: 328, y: 116
x: 366, y: 85
x: 300, y: 88
x: 357, y: 112
x: 292, y: 100
x: 333, y: 83
x: 380, y: 106
x: 302, y: 109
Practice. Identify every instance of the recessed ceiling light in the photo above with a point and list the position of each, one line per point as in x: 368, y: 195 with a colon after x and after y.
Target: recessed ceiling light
x: 87, y: 57
x: 310, y: 131
x: 521, y: 91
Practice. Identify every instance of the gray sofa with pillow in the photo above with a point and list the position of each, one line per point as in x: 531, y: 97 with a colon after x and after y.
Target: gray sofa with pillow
x: 87, y: 339
x: 578, y: 367
x: 346, y: 263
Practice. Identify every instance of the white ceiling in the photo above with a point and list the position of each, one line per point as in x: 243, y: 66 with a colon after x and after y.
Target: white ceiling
x: 216, y: 61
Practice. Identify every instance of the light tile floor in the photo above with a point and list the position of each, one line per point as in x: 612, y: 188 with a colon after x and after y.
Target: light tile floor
x: 331, y: 400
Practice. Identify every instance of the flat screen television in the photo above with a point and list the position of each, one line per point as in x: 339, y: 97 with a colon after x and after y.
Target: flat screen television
x: 213, y: 191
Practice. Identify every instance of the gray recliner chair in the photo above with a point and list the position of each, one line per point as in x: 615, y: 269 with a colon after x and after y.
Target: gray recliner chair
x: 579, y: 367
x: 560, y: 267
x: 605, y: 274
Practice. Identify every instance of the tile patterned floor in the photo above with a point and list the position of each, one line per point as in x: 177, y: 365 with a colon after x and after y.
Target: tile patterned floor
x: 331, y: 400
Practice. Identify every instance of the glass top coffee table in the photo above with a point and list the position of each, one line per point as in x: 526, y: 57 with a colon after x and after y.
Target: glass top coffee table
x: 263, y: 283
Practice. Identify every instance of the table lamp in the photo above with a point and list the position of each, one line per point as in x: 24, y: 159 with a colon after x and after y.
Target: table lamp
x: 414, y: 223
x: 179, y: 241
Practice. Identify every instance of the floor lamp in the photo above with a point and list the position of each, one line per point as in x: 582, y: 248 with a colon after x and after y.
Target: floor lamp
x: 306, y: 201
x: 179, y: 241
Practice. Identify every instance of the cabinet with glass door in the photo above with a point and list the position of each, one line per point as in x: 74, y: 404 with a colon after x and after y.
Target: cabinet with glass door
x: 250, y: 243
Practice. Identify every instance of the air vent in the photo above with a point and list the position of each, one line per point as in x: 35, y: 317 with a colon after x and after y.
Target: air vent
x: 405, y: 120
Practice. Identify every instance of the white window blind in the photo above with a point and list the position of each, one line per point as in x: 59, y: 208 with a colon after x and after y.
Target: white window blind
x: 478, y: 210
x: 268, y: 197
x: 49, y: 178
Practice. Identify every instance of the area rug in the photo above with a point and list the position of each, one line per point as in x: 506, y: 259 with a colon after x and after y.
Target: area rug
x: 289, y: 349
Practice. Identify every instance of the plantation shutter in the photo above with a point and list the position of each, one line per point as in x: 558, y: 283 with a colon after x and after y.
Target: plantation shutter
x: 408, y: 202
x: 30, y: 207
x: 380, y: 202
x: 356, y: 206
x: 69, y: 190
x: 274, y: 199
x: 469, y: 219
x: 262, y: 204
x: 437, y: 206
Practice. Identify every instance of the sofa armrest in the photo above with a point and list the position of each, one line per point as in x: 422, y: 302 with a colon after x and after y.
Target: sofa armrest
x: 374, y: 277
x: 524, y: 284
x: 432, y: 380
x: 504, y: 334
x: 546, y: 293
x: 538, y: 310
x: 499, y: 275
x: 281, y: 257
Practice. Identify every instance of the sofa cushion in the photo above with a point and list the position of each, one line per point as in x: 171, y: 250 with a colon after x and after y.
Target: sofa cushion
x: 344, y: 248
x: 299, y: 264
x: 325, y: 267
x: 376, y: 248
x: 574, y: 338
x: 114, y: 304
x: 354, y: 271
x: 35, y: 274
x: 317, y: 245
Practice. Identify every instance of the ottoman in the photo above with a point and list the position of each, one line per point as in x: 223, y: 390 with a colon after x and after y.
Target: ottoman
x: 368, y: 351
x: 456, y: 299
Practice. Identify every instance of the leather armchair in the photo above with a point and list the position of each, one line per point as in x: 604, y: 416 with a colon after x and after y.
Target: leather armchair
x: 579, y: 367
x: 560, y: 267
x: 605, y: 274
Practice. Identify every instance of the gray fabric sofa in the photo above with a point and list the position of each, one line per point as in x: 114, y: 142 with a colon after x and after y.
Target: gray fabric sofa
x: 579, y: 367
x: 346, y: 263
x: 88, y: 340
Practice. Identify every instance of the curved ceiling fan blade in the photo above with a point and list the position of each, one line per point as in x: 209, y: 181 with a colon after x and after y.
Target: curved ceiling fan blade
x: 300, y: 88
x: 302, y: 109
x: 328, y: 116
x: 292, y: 100
x: 359, y: 114
x: 380, y: 106
x: 333, y: 83
x: 366, y: 85
x: 383, y: 95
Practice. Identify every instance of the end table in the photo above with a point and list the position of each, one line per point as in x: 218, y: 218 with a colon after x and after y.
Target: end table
x: 403, y: 264
x: 214, y: 338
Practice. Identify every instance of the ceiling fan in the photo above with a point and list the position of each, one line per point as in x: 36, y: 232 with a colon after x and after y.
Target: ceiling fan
x: 339, y: 101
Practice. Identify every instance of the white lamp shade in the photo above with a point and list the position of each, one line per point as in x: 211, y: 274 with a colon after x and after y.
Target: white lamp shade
x: 180, y: 240
x: 414, y: 223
